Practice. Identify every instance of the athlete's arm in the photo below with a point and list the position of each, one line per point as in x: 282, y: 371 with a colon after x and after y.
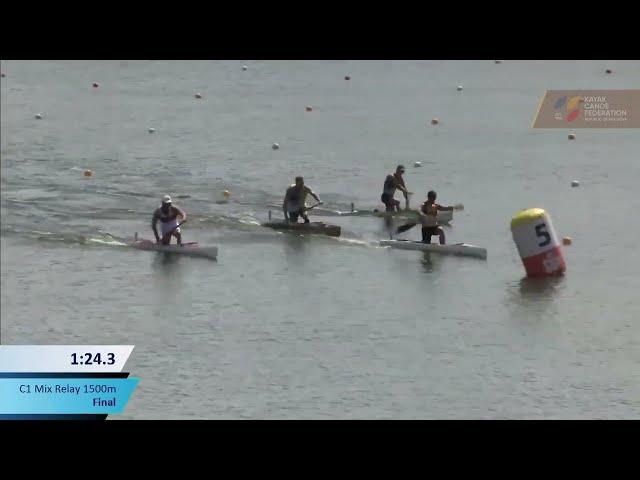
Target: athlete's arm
x: 154, y: 221
x: 400, y: 185
x: 284, y: 203
x: 181, y: 213
x: 444, y: 209
x: 312, y: 193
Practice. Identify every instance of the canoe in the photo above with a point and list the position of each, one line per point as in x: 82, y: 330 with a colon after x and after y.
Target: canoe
x: 323, y: 212
x: 192, y: 249
x: 319, y: 228
x: 463, y: 249
x: 443, y: 217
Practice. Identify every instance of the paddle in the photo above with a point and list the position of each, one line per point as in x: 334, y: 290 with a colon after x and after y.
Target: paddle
x: 410, y: 225
x: 306, y: 209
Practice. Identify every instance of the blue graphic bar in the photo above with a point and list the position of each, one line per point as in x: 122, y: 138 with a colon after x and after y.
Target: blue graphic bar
x: 65, y: 395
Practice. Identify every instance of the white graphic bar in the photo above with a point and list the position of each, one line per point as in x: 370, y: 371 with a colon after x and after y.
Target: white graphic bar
x: 64, y: 358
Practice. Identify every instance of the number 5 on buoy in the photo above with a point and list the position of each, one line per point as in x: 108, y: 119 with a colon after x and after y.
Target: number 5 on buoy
x: 537, y: 243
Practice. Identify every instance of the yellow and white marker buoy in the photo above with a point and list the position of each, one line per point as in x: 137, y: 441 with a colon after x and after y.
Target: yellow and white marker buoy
x: 567, y: 241
x: 226, y: 194
x: 88, y: 173
x: 537, y: 243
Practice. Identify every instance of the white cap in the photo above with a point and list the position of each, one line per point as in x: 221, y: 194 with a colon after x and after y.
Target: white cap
x: 166, y: 199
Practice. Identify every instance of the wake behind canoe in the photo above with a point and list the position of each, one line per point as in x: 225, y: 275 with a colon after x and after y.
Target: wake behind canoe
x: 319, y: 228
x: 462, y: 249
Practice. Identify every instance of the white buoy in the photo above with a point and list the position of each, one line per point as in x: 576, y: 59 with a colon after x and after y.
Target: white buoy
x: 244, y: 67
x: 575, y: 183
x: 38, y: 116
x: 152, y: 130
x: 571, y: 136
x: 459, y: 88
x: 417, y: 164
x: 275, y: 146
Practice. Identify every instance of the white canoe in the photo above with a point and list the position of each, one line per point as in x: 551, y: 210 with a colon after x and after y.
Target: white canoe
x: 312, y: 227
x: 463, y: 249
x: 190, y: 249
x: 322, y: 212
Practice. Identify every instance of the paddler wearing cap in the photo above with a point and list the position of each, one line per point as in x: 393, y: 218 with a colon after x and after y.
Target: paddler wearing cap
x: 293, y: 205
x: 392, y: 183
x: 168, y: 214
x: 429, y: 218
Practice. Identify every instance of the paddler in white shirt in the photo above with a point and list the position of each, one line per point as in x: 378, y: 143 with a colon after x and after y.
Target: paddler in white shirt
x: 429, y: 218
x: 168, y: 214
x: 293, y: 205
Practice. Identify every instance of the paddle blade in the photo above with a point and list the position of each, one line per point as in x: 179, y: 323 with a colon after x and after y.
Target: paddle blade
x: 404, y: 228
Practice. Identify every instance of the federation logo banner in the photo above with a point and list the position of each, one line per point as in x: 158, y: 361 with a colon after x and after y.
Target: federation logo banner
x: 589, y: 109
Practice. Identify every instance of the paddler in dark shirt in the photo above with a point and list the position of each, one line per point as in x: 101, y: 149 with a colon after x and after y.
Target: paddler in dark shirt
x: 391, y: 183
x: 293, y: 205
x: 168, y: 215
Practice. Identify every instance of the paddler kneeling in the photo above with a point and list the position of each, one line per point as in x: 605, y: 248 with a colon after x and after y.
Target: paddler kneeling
x: 429, y: 217
x: 168, y: 215
x: 293, y: 205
